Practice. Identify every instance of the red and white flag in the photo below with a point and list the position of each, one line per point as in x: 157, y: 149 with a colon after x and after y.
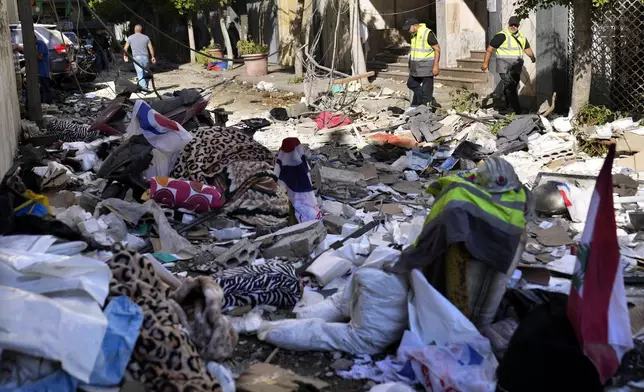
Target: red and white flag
x: 597, y: 306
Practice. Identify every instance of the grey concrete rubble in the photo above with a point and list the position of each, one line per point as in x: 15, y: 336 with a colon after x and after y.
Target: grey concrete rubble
x: 339, y: 184
x: 297, y: 245
x: 334, y: 223
x: 243, y: 252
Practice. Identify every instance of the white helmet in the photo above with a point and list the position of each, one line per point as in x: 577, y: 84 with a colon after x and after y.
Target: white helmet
x: 496, y: 175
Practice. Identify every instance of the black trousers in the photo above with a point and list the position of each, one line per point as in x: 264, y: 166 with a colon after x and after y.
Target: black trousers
x: 510, y: 83
x: 423, y: 88
x: 45, y: 89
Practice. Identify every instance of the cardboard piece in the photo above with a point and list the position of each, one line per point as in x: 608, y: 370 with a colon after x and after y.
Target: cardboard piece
x: 263, y: 377
x: 535, y: 274
x: 630, y: 142
x: 392, y: 209
x: 554, y: 236
x: 409, y: 187
x: 635, y: 162
x: 369, y: 171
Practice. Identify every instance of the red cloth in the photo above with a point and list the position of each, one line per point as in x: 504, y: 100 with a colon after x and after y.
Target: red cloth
x: 330, y: 120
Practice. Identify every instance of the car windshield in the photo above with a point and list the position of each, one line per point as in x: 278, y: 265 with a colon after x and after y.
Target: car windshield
x: 71, y: 36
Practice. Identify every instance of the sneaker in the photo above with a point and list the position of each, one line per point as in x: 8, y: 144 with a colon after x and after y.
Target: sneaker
x: 411, y: 108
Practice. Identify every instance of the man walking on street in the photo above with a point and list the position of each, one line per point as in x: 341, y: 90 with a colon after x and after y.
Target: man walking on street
x: 44, y: 78
x: 423, y: 62
x: 509, y: 44
x: 42, y: 53
x: 140, y: 44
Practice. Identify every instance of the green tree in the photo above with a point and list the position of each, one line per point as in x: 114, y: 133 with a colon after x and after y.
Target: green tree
x: 189, y: 8
x: 582, y: 43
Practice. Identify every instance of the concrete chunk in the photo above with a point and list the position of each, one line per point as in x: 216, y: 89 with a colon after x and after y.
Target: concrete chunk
x: 297, y: 245
x: 343, y: 185
x: 334, y: 223
x: 272, y: 238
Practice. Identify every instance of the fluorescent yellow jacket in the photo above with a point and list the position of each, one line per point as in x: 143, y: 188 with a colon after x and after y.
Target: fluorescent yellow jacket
x: 490, y: 225
x: 509, y: 56
x: 421, y: 56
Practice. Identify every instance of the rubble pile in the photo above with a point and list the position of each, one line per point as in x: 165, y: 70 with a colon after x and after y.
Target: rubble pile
x: 164, y: 241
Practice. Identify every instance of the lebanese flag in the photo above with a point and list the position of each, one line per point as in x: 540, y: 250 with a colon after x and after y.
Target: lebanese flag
x: 597, y: 306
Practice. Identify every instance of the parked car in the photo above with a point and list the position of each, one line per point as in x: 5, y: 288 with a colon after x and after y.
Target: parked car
x: 74, y: 38
x: 62, y: 55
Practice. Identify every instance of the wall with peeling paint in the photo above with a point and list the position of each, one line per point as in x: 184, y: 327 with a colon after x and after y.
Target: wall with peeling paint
x: 9, y: 106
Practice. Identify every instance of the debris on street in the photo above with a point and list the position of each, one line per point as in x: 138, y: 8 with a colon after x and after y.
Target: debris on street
x: 347, y: 243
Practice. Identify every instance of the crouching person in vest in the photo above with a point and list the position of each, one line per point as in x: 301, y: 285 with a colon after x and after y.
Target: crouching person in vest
x: 510, y: 45
x: 473, y: 238
x: 423, y: 62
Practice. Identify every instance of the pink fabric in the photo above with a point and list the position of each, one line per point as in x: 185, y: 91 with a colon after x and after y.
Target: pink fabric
x: 191, y: 195
x: 330, y: 120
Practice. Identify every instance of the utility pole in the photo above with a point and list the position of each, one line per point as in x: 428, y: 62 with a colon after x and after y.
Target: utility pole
x: 31, y: 61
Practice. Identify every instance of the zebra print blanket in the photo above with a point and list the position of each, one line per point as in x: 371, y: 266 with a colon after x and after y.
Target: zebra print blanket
x: 271, y: 283
x: 69, y: 131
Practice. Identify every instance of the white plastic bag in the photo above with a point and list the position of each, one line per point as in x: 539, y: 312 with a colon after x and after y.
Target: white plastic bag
x: 44, y: 273
x: 433, y: 318
x: 69, y: 329
x: 392, y: 387
x: 374, y: 301
x: 450, y: 353
x: 456, y: 367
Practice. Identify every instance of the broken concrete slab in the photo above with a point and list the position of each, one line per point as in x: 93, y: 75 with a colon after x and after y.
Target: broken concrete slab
x: 296, y: 110
x: 297, y: 245
x: 212, y: 258
x: 369, y: 171
x: 409, y: 187
x: 272, y: 238
x: 343, y: 185
x: 388, y: 179
x: 242, y: 252
x: 332, y: 207
x: 334, y: 223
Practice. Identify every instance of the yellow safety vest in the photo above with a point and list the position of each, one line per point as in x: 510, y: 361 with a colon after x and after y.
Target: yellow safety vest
x: 507, y: 207
x: 510, y: 54
x: 489, y: 225
x: 422, y: 54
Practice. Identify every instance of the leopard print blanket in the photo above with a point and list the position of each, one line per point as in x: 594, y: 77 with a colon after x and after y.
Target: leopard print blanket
x: 166, y: 356
x: 233, y: 161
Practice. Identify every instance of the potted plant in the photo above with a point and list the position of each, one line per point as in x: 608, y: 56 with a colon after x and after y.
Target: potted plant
x: 255, y: 57
x: 215, y: 51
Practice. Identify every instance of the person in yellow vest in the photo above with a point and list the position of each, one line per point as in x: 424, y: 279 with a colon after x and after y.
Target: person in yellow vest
x: 510, y: 45
x: 424, y: 57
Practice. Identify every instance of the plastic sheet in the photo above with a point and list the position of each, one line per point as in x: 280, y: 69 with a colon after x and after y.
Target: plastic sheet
x: 124, y: 322
x: 43, y: 273
x: 171, y: 241
x: 72, y: 334
x: 451, y: 354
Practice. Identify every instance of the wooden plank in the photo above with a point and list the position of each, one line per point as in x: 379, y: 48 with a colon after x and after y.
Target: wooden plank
x: 352, y: 78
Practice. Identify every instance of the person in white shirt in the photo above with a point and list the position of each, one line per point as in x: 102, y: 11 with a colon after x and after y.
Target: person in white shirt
x: 364, y: 38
